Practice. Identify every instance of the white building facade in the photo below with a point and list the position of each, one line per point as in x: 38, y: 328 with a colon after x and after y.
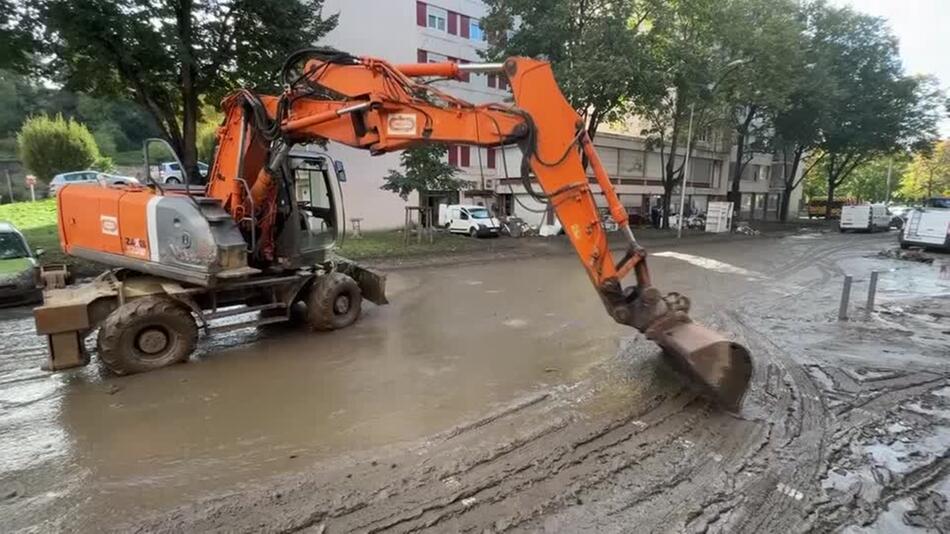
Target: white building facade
x: 405, y: 31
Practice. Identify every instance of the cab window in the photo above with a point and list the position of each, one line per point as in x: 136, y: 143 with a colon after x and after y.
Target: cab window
x: 464, y: 215
x: 312, y: 189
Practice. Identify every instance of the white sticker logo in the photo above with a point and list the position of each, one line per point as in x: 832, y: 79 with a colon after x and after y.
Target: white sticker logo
x: 401, y: 124
x: 109, y: 225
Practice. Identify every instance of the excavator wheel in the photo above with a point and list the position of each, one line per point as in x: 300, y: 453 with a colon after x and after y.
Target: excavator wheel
x: 334, y: 302
x: 146, y: 334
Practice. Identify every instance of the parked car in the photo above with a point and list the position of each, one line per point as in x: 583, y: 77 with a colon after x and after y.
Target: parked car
x: 170, y: 172
x: 87, y: 177
x: 20, y: 281
x: 475, y: 221
x: 869, y: 217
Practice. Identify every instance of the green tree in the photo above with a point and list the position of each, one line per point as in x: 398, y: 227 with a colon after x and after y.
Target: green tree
x: 48, y: 146
x: 595, y: 48
x: 208, y: 132
x: 768, y: 35
x: 869, y: 183
x: 684, y: 41
x: 425, y: 170
x: 17, y: 43
x: 873, y: 108
x: 929, y: 174
x: 167, y: 54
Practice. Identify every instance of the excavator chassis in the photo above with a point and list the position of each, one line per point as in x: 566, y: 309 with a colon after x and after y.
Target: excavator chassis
x: 68, y: 315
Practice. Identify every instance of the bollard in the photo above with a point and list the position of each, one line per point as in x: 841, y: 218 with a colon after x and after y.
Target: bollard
x: 845, y: 297
x: 872, y: 289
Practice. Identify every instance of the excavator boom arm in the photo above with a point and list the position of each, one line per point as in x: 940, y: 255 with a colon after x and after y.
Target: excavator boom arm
x: 370, y: 104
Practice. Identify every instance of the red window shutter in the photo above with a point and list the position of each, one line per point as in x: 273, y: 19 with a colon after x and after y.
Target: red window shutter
x: 421, y: 56
x: 453, y: 23
x: 466, y: 156
x: 466, y: 76
x: 491, y: 158
x: 502, y: 82
x: 463, y: 30
x: 491, y: 80
x: 421, y: 14
x: 453, y: 155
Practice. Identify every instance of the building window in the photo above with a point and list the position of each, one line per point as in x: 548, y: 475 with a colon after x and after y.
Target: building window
x: 453, y: 23
x: 491, y: 158
x: 492, y: 80
x: 460, y: 155
x: 436, y: 18
x: 475, y: 32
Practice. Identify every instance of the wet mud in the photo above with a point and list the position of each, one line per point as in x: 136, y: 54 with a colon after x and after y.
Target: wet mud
x: 499, y: 397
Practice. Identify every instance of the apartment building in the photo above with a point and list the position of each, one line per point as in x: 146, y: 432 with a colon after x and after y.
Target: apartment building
x: 403, y: 31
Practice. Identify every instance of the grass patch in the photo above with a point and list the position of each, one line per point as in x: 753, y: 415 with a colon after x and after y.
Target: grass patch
x: 391, y: 244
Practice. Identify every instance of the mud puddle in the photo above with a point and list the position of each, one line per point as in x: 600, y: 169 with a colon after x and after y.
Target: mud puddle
x: 251, y: 404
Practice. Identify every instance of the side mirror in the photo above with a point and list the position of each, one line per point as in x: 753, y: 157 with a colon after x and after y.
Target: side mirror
x: 340, y: 171
x: 39, y: 252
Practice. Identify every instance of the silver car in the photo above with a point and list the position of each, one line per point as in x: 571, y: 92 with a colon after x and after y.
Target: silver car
x: 170, y: 172
x: 20, y: 281
x: 88, y: 177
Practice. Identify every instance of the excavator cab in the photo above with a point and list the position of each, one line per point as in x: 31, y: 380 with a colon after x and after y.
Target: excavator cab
x: 314, y: 221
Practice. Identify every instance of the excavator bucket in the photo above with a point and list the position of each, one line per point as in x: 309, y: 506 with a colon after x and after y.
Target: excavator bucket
x: 720, y: 367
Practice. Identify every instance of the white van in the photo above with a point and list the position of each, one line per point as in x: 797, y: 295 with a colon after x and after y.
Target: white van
x: 869, y: 217
x: 475, y: 221
x: 928, y: 226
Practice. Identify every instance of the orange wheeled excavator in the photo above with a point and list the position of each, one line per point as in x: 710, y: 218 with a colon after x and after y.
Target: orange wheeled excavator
x: 258, y: 237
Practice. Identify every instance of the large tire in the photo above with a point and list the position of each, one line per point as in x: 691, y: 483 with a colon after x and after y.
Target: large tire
x: 146, y: 334
x: 334, y: 302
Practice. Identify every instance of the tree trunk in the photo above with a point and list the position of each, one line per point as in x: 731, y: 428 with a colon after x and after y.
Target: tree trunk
x: 667, y: 201
x: 831, y: 188
x: 189, y: 95
x: 790, y: 184
x: 742, y: 133
x: 669, y: 178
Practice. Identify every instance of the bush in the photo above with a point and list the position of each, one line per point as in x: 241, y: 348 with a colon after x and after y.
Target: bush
x: 49, y: 146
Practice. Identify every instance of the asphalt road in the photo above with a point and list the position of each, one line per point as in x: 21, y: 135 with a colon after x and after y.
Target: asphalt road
x: 498, y: 395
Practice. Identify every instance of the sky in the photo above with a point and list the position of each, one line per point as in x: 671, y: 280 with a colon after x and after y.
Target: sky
x: 922, y: 28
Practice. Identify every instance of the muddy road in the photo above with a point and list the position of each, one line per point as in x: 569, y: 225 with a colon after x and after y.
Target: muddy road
x: 500, y: 397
